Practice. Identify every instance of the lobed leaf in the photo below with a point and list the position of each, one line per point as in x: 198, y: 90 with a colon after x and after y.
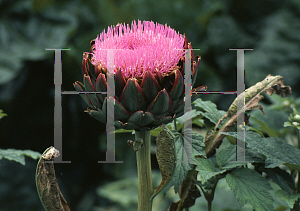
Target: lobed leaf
x: 206, y: 170
x: 211, y: 111
x: 224, y: 158
x: 249, y: 186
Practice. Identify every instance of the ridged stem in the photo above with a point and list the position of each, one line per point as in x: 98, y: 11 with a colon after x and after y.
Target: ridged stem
x: 143, y: 159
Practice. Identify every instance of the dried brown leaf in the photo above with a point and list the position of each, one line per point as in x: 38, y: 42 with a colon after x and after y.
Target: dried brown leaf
x: 46, y: 183
x: 188, y: 193
x: 251, y: 97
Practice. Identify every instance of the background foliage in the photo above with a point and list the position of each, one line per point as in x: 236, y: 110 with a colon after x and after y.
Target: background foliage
x: 27, y: 27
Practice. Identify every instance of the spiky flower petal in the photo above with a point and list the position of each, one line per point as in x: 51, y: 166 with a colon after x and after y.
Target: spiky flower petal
x: 142, y: 47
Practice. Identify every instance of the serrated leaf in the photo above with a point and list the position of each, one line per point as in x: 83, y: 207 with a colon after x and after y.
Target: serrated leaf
x: 198, y: 145
x: 277, y: 151
x: 211, y: 111
x: 182, y: 165
x: 225, y: 156
x: 265, y: 128
x: 206, y: 170
x: 18, y: 155
x: 287, y: 197
x: 254, y: 156
x: 249, y: 186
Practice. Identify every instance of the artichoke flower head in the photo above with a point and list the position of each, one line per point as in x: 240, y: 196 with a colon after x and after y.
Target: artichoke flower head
x: 148, y: 67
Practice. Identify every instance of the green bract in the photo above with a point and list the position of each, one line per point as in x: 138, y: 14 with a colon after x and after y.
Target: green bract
x: 294, y: 120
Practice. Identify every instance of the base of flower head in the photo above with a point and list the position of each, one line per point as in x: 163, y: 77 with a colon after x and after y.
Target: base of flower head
x: 138, y: 121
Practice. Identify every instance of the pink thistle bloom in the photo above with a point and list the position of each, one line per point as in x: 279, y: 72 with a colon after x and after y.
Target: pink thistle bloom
x: 146, y: 46
x: 149, y: 74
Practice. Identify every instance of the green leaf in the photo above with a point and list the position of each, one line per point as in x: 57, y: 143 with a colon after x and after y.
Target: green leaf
x: 287, y: 197
x: 265, y: 128
x: 194, y: 113
x: 2, y: 114
x: 182, y: 165
x: 277, y: 151
x: 212, y: 113
x: 18, y: 155
x: 225, y: 156
x: 181, y: 169
x: 287, y: 124
x: 281, y: 178
x: 198, y: 145
x: 254, y: 156
x: 248, y: 128
x: 294, y: 120
x: 249, y: 186
x: 206, y: 170
x: 231, y: 140
x: 199, y: 121
x: 123, y: 131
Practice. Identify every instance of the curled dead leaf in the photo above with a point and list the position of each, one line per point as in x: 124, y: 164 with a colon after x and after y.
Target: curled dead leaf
x: 46, y: 183
x: 251, y: 97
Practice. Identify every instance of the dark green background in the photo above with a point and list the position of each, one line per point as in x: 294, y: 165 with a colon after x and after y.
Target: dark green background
x: 27, y: 27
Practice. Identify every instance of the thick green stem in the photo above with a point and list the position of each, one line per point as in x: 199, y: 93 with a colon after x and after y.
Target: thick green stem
x: 143, y: 159
x: 210, y: 195
x: 209, y: 205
